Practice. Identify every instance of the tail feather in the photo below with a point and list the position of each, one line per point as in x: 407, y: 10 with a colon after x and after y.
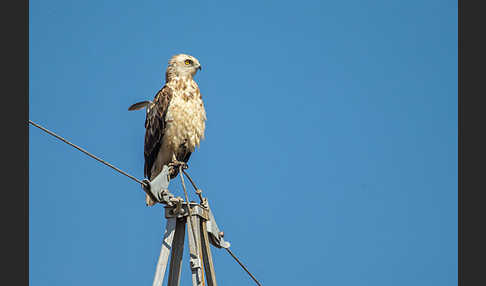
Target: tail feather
x: 148, y: 201
x: 139, y: 105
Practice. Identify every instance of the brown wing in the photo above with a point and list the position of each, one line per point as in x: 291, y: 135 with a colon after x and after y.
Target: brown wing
x: 155, y: 127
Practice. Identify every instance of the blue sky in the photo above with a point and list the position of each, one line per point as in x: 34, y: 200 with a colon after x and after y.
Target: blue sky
x: 330, y: 155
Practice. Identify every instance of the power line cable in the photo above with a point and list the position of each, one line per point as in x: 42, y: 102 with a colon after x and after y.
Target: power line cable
x: 96, y: 158
x: 86, y: 152
x: 198, y: 191
x: 243, y: 266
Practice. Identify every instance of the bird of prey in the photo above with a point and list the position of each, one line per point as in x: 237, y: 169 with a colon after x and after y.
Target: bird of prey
x: 175, y: 119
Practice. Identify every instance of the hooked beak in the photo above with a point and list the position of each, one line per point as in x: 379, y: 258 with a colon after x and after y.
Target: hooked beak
x: 199, y: 67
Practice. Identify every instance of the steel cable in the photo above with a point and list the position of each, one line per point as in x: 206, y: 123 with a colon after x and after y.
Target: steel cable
x: 144, y: 184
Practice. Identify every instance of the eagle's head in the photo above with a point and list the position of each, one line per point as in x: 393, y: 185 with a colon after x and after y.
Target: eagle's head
x: 182, y: 65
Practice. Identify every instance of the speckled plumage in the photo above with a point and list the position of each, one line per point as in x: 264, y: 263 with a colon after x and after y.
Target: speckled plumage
x: 175, y: 120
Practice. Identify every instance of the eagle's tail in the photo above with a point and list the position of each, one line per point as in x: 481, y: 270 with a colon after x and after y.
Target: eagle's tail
x: 148, y: 201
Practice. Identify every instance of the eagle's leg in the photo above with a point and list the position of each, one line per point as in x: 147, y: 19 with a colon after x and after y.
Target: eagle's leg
x: 174, y: 166
x: 177, y: 163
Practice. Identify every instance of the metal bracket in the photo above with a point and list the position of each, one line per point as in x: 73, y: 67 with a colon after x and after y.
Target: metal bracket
x: 159, y: 188
x: 215, y: 235
x: 181, y: 210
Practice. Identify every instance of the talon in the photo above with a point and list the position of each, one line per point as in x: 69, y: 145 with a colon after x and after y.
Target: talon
x: 176, y: 163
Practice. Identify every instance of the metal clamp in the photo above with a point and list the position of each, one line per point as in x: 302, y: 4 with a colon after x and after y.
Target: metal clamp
x: 181, y: 210
x: 215, y: 234
x: 159, y: 187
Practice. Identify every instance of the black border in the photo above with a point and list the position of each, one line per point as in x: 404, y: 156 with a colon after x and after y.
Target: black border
x: 14, y: 210
x: 471, y: 143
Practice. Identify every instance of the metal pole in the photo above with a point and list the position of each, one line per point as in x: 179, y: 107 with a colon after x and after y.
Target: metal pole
x: 164, y: 251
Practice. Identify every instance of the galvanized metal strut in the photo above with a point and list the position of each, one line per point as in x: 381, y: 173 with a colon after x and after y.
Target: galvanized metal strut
x: 203, y: 231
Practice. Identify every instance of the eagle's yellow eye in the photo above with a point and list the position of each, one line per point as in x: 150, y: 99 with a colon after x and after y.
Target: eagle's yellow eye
x: 188, y: 62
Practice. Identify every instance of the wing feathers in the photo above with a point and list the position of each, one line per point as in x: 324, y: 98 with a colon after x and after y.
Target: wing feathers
x: 155, y: 128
